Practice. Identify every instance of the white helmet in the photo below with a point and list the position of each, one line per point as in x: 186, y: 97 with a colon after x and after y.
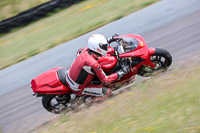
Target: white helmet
x: 98, y: 43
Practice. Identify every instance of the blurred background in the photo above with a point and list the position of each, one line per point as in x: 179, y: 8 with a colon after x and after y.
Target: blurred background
x: 37, y: 35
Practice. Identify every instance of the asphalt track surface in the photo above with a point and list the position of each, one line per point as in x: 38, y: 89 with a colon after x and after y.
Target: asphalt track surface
x: 169, y: 24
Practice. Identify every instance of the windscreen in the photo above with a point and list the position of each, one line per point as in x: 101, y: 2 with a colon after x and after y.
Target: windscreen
x: 128, y: 44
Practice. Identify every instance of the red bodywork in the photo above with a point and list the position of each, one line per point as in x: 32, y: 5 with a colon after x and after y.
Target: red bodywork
x: 49, y: 83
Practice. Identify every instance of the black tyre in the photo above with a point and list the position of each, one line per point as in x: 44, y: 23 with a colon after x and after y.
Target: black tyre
x: 162, y: 59
x: 55, y: 103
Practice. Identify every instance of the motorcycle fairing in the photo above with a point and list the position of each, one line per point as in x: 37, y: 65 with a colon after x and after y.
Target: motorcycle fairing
x: 141, y: 51
x: 49, y: 83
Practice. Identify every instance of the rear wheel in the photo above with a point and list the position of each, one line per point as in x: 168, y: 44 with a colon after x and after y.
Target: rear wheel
x: 55, y: 103
x: 162, y: 59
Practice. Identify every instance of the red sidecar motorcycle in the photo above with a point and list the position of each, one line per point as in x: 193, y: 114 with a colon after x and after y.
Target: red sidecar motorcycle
x: 144, y: 61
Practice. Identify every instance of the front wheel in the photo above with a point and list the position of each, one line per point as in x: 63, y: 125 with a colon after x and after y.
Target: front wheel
x: 55, y: 103
x: 162, y: 59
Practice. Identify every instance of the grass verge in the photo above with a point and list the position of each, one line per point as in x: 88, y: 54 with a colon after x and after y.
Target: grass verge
x: 63, y: 26
x: 167, y: 103
x: 9, y: 8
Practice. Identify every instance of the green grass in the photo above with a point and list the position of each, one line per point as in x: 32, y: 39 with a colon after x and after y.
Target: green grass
x: 167, y: 103
x: 9, y: 8
x: 63, y: 26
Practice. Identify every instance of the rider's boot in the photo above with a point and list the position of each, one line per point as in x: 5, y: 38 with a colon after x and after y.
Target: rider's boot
x: 106, y: 93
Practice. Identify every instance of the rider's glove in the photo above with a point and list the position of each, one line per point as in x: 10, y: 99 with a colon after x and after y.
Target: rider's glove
x: 125, y: 70
x: 112, y: 38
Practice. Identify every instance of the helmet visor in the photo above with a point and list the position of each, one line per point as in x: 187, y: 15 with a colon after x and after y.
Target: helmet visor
x: 103, y: 46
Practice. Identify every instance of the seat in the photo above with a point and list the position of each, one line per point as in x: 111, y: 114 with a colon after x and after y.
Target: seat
x: 62, y: 76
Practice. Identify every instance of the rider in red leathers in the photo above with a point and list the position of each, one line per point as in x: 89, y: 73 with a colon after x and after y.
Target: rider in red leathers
x: 86, y: 66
